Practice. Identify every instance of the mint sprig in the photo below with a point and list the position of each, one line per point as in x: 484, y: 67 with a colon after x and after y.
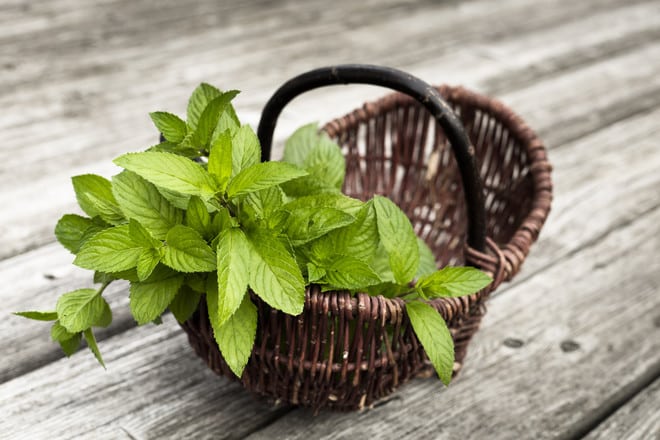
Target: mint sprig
x: 199, y: 218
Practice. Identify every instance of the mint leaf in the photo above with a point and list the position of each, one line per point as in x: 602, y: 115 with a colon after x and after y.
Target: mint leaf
x: 198, y: 217
x: 359, y: 239
x: 274, y: 274
x: 111, y: 250
x: 453, y: 281
x: 147, y: 262
x: 98, y: 187
x: 141, y: 201
x: 148, y: 300
x: 174, y: 129
x: 228, y: 122
x: 260, y: 206
x: 108, y: 210
x: 399, y: 239
x: 72, y: 230
x: 233, y: 271
x: 341, y: 202
x: 184, y: 304
x: 81, y: 309
x: 186, y: 251
x: 261, y: 176
x: 209, y: 118
x: 141, y: 236
x: 38, y: 316
x: 432, y: 332
x: 221, y: 221
x: 69, y: 342
x: 219, y: 164
x: 315, y: 273
x: 298, y: 146
x: 307, y: 224
x: 316, y: 153
x: 201, y: 96
x: 427, y: 263
x: 350, y: 273
x: 169, y: 171
x: 236, y: 336
x: 245, y: 150
x: 91, y: 343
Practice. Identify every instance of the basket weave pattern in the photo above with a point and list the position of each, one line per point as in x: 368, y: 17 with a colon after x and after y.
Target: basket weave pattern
x: 346, y: 352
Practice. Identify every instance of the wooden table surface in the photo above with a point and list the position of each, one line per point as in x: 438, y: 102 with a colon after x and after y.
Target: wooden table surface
x: 571, y: 348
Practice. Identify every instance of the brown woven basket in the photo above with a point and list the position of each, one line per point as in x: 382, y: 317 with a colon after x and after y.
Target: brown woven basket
x: 346, y: 352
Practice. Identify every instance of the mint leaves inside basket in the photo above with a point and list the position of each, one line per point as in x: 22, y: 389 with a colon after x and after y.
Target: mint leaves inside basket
x: 198, y: 217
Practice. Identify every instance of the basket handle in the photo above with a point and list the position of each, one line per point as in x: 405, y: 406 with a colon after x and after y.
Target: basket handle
x: 403, y: 82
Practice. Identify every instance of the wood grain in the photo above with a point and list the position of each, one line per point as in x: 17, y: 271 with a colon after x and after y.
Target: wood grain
x: 639, y: 419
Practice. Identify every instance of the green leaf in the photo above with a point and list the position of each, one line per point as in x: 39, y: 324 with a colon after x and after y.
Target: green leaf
x: 111, y: 250
x: 245, y: 150
x: 184, y: 304
x: 307, y: 224
x: 141, y: 236
x: 260, y: 206
x: 199, y: 99
x: 186, y: 251
x: 350, y: 273
x: 359, y: 239
x: 98, y: 187
x: 68, y: 341
x: 174, y: 129
x: 91, y: 343
x: 315, y: 152
x: 210, y: 117
x: 169, y: 171
x: 315, y: 273
x: 228, y: 122
x: 148, y: 300
x: 198, y: 217
x: 220, y: 160
x: 387, y: 289
x: 108, y: 210
x: 72, y: 230
x: 274, y: 274
x: 233, y: 271
x: 141, y: 201
x: 453, y: 281
x: 81, y: 309
x: 298, y: 146
x: 261, y: 176
x: 426, y: 259
x: 432, y: 332
x: 38, y: 316
x: 221, y: 221
x: 236, y: 336
x: 399, y: 239
x: 341, y: 202
x: 147, y: 262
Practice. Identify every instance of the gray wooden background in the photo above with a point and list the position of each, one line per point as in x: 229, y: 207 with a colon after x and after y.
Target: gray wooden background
x: 571, y: 348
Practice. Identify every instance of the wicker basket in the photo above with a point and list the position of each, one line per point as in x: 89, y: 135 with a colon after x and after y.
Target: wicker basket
x: 346, y: 352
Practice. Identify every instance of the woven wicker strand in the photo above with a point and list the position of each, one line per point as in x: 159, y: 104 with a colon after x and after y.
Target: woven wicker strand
x: 346, y: 352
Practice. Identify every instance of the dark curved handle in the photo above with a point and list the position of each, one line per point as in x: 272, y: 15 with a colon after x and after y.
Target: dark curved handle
x: 401, y: 82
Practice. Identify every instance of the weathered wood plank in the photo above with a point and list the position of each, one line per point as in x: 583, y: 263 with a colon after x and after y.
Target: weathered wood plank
x: 588, y: 328
x: 638, y: 419
x: 152, y: 372
x: 76, y: 142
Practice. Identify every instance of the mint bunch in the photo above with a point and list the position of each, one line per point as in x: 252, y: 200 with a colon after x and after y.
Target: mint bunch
x: 199, y: 217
